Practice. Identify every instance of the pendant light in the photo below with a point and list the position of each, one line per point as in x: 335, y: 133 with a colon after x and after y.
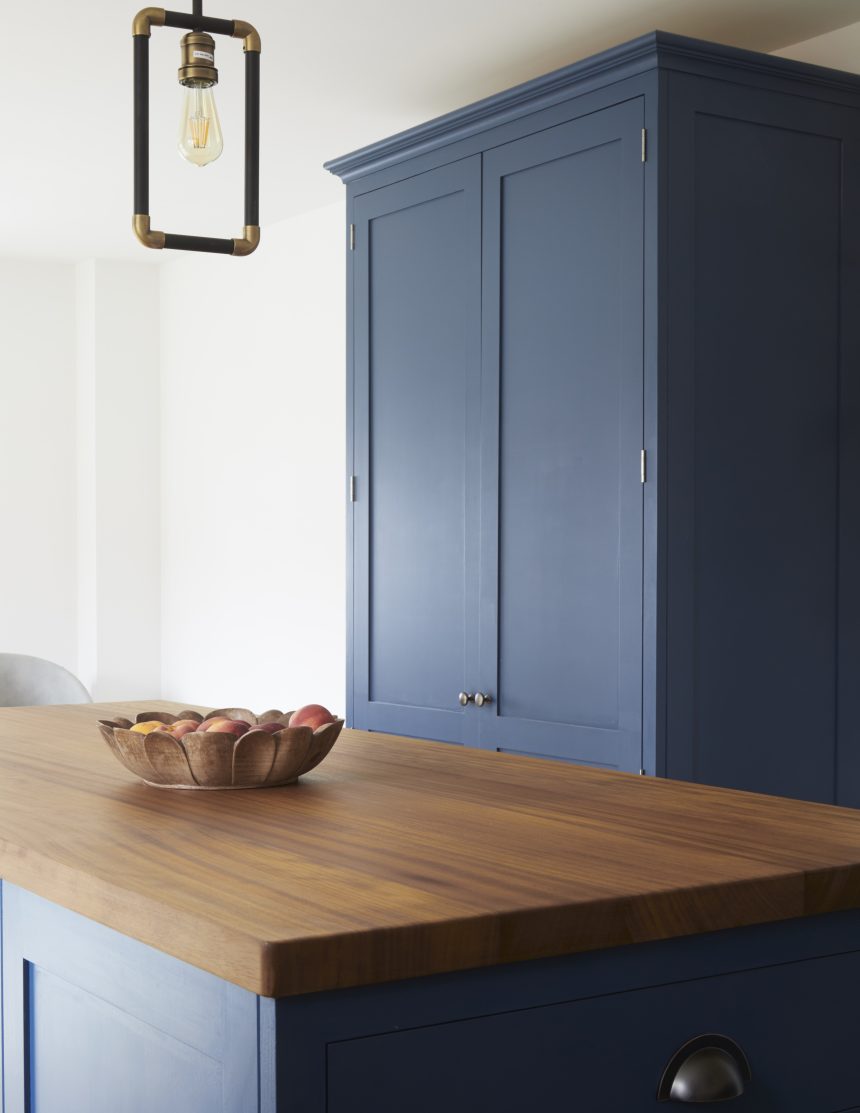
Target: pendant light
x: 200, y: 140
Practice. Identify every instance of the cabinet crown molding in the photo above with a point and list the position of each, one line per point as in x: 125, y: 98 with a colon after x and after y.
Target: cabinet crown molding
x: 655, y: 50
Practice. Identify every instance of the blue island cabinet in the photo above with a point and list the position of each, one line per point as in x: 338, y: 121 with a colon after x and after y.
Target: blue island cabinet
x: 95, y: 1022
x: 604, y: 404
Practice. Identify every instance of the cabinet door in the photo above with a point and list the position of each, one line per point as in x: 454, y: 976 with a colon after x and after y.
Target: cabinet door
x: 561, y: 559
x: 417, y: 377
x: 95, y: 1022
x: 763, y: 442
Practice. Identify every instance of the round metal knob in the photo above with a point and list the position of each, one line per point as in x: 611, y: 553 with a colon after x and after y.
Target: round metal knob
x: 707, y: 1069
x: 465, y: 697
x: 481, y: 698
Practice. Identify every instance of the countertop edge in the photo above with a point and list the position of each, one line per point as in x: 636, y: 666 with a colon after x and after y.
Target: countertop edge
x: 279, y: 968
x: 128, y: 911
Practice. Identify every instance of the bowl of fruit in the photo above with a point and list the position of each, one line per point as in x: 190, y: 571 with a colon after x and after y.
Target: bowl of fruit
x: 228, y: 748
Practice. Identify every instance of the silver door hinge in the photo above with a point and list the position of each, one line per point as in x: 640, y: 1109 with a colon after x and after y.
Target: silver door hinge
x: 643, y: 461
x: 644, y: 144
x: 352, y: 488
x: 352, y: 237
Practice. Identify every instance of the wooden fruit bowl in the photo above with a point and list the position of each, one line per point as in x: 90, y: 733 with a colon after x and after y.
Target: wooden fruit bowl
x: 210, y: 759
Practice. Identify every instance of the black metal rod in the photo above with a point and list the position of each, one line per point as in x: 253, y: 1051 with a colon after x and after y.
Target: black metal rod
x: 192, y: 22
x: 141, y: 123
x: 197, y: 7
x: 252, y: 137
x: 198, y: 243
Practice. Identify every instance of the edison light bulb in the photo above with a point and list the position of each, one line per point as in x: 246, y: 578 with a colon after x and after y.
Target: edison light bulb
x: 200, y: 139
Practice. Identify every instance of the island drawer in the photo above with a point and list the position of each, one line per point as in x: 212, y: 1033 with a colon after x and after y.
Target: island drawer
x: 798, y: 1024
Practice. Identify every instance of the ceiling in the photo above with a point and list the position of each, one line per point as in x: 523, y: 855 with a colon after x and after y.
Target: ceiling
x: 335, y: 76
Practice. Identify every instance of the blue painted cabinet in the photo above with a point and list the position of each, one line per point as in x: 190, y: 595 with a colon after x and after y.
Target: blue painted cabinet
x: 605, y: 421
x: 96, y: 1022
x: 482, y: 499
x: 590, y: 1032
x: 605, y: 1054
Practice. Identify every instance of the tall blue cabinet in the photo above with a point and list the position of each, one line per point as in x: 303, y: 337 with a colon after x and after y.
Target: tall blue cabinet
x: 604, y: 421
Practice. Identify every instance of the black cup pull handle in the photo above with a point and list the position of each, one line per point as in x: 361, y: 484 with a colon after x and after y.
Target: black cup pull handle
x: 709, y: 1068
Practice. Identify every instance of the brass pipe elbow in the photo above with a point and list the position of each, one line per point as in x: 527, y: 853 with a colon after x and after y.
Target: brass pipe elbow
x: 148, y: 237
x: 147, y: 18
x: 249, y: 242
x: 243, y: 30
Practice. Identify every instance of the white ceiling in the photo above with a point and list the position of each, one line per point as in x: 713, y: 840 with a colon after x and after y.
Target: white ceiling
x: 336, y: 75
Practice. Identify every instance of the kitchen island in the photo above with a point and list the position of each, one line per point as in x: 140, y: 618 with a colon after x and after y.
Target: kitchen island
x: 412, y: 926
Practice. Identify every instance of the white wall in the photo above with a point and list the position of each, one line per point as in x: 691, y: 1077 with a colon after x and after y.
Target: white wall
x: 80, y: 471
x: 253, y: 457
x: 38, y: 553
x: 119, y: 480
x: 172, y: 444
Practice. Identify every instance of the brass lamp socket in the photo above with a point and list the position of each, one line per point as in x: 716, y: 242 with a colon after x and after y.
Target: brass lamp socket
x: 198, y: 60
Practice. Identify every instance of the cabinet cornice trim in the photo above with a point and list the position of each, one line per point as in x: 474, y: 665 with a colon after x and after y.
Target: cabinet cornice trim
x: 656, y: 49
x: 627, y: 59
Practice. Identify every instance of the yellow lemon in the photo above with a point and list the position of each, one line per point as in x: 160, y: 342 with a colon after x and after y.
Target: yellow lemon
x: 145, y: 728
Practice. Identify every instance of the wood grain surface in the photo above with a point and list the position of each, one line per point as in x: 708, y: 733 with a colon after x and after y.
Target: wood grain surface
x: 398, y: 858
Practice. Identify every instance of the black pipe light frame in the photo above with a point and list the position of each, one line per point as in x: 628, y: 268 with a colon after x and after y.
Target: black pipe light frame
x: 235, y: 29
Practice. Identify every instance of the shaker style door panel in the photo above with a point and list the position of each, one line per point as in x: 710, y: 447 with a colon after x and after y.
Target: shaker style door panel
x: 763, y: 468
x: 416, y: 411
x: 95, y: 1022
x: 561, y: 561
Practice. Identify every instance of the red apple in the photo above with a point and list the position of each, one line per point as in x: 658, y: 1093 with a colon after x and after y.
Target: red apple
x: 312, y: 715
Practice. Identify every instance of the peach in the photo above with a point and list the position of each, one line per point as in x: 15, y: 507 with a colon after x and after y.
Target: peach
x: 232, y: 726
x: 312, y: 715
x: 182, y: 727
x: 214, y: 724
x: 271, y: 728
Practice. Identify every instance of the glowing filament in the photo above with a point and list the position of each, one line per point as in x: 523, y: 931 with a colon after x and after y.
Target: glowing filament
x: 200, y: 139
x: 199, y: 128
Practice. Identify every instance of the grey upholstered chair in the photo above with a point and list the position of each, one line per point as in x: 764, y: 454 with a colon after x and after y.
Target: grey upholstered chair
x: 27, y: 681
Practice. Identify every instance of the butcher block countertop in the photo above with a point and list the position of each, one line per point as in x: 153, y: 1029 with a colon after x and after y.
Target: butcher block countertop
x: 397, y: 858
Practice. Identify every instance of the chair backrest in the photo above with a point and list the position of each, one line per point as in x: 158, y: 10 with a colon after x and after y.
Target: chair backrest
x: 28, y: 681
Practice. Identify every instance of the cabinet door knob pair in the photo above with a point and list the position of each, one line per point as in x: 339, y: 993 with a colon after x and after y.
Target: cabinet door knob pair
x: 479, y: 698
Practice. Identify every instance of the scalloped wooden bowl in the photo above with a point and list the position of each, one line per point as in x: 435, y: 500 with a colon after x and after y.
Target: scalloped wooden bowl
x: 214, y: 760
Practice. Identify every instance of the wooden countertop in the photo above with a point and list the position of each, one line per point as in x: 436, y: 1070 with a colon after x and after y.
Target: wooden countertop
x: 398, y: 858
